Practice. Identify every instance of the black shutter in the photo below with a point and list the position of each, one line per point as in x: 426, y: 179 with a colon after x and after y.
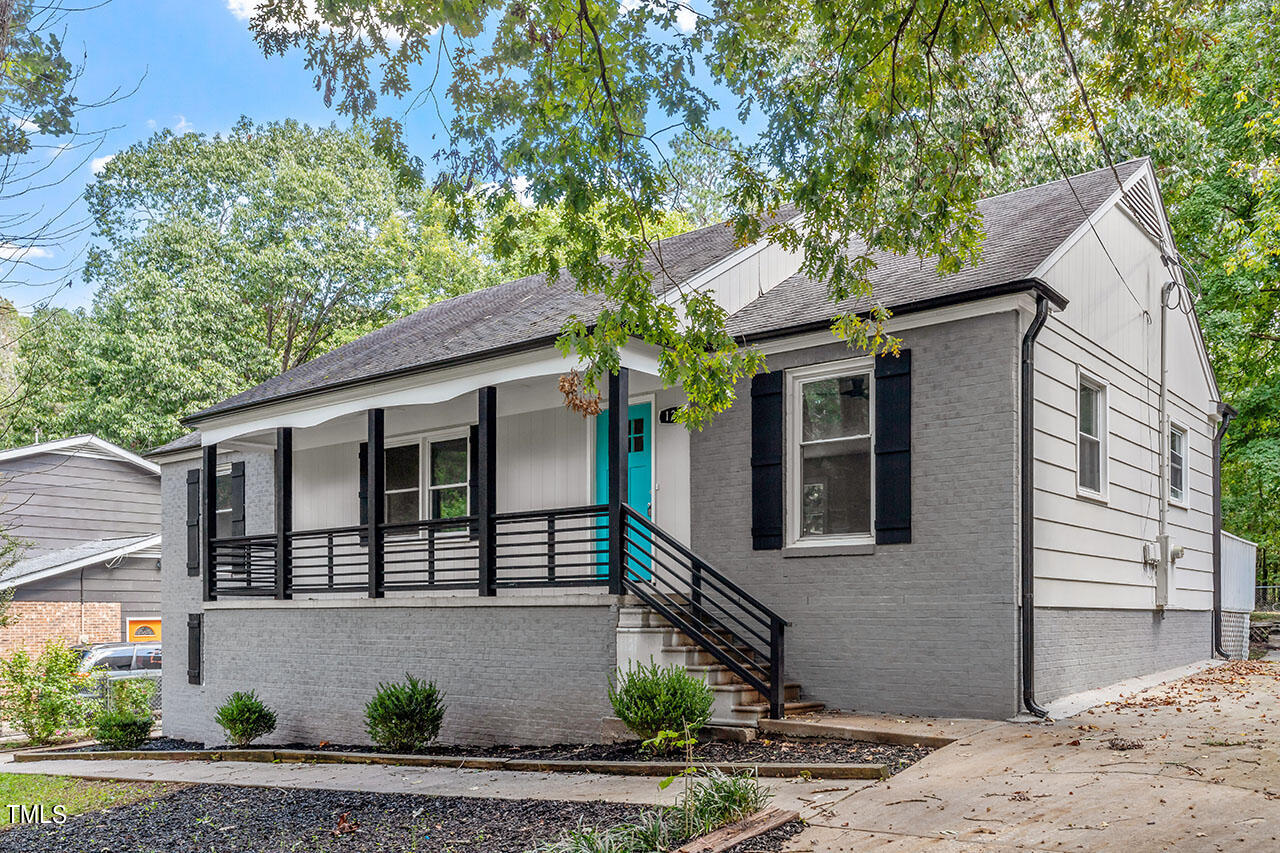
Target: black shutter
x: 237, y: 498
x: 893, y: 448
x: 766, y: 461
x: 364, y: 483
x: 195, y: 652
x: 473, y: 476
x: 193, y: 522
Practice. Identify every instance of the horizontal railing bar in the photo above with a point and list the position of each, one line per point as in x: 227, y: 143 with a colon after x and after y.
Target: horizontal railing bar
x: 707, y: 569
x: 599, y: 509
x: 328, y: 531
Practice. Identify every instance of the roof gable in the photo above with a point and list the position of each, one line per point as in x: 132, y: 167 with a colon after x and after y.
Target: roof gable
x: 80, y: 445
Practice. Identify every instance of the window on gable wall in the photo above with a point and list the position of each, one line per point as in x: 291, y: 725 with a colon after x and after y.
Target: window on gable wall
x: 831, y: 452
x: 1177, y: 464
x: 1091, y: 438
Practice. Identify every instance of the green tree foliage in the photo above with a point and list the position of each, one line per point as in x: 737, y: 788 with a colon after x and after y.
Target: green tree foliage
x: 876, y: 121
x: 223, y: 260
x: 36, y: 80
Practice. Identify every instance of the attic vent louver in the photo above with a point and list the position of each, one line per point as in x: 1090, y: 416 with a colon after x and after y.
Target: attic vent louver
x: 1141, y: 203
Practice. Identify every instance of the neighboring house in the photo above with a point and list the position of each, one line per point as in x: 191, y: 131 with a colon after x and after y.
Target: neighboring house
x: 86, y: 514
x: 420, y: 500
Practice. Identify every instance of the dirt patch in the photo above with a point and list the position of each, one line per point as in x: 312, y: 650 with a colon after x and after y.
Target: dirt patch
x: 257, y: 820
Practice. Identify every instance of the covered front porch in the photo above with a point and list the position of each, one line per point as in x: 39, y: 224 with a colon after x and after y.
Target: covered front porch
x: 475, y: 484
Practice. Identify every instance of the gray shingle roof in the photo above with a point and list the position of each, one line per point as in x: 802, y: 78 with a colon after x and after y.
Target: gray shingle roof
x: 1021, y: 227
x: 473, y: 324
x: 76, y: 555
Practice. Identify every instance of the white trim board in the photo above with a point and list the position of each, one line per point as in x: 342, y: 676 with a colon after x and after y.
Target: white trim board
x: 92, y: 559
x: 80, y: 445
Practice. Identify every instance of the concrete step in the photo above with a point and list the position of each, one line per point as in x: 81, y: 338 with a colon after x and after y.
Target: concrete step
x: 761, y: 709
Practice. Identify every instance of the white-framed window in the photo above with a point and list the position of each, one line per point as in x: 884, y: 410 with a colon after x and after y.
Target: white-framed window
x: 403, y: 483
x: 222, y: 505
x: 449, y: 476
x: 440, y: 488
x: 830, y: 424
x: 1091, y: 437
x: 1177, y: 464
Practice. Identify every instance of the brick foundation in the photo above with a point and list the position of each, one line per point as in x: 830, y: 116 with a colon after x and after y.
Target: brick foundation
x: 39, y: 621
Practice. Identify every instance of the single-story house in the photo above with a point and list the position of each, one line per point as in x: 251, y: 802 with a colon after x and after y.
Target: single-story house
x: 85, y: 517
x: 991, y: 519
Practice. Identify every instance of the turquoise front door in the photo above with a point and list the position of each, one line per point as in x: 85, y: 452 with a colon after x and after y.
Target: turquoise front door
x: 639, y: 467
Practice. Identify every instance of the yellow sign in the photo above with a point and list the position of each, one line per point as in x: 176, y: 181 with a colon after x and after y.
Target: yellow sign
x: 144, y: 630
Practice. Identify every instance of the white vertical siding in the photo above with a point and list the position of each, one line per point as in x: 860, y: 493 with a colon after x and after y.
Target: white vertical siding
x: 1088, y: 551
x: 1239, y: 573
x: 544, y: 460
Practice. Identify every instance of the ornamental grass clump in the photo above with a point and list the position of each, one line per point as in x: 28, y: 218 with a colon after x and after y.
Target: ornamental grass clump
x: 654, y: 699
x: 245, y: 718
x: 405, y: 717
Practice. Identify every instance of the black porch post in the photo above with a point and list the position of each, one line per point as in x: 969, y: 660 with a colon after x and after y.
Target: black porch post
x: 208, y: 514
x: 487, y: 489
x: 618, y: 399
x: 376, y: 490
x: 284, y: 512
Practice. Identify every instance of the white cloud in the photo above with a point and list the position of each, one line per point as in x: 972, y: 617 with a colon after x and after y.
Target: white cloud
x: 182, y: 125
x: 151, y: 124
x: 26, y: 125
x: 97, y: 164
x: 243, y: 9
x: 13, y: 252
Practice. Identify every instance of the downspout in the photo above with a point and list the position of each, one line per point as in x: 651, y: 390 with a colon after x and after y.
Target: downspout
x: 1227, y: 413
x: 1027, y: 507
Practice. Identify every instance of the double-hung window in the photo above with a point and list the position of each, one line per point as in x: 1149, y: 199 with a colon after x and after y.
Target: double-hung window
x: 1091, y: 437
x: 830, y: 429
x: 403, y: 488
x: 413, y: 492
x: 449, y: 477
x: 1177, y: 464
x: 222, y: 507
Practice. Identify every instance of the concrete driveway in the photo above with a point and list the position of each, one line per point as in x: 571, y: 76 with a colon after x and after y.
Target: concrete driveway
x: 1190, y: 765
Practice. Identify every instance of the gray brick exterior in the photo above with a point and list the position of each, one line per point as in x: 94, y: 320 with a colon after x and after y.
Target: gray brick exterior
x: 1078, y: 649
x: 926, y: 627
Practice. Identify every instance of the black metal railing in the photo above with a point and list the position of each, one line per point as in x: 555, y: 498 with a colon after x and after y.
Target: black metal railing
x: 245, y: 565
x: 552, y: 547
x: 334, y: 559
x: 441, y: 554
x: 717, y: 614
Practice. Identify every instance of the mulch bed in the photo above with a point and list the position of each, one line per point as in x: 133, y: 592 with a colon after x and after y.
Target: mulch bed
x: 228, y: 819
x: 763, y: 750
x: 772, y: 841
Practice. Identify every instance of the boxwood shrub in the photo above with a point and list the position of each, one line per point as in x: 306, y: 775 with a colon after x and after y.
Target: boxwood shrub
x: 245, y: 718
x: 405, y: 717
x: 652, y: 699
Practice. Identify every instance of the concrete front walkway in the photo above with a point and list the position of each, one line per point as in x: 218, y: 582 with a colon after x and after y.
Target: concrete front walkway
x: 1190, y: 765
x: 427, y: 781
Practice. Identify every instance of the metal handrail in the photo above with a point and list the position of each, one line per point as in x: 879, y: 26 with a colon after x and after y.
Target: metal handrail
x: 642, y: 540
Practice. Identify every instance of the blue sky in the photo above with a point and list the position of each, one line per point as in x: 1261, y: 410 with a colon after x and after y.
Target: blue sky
x: 199, y: 70
x: 196, y: 68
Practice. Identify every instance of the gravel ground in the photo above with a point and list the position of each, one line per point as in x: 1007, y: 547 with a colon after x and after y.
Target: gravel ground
x: 762, y: 750
x: 772, y: 841
x: 229, y: 819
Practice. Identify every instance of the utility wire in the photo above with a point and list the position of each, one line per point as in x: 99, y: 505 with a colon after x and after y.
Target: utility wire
x: 1053, y: 150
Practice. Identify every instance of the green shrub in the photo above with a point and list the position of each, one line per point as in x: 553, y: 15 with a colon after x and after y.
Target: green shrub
x: 652, y: 699
x: 405, y: 717
x: 131, y: 695
x: 41, y: 696
x: 245, y: 718
x: 121, y: 729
